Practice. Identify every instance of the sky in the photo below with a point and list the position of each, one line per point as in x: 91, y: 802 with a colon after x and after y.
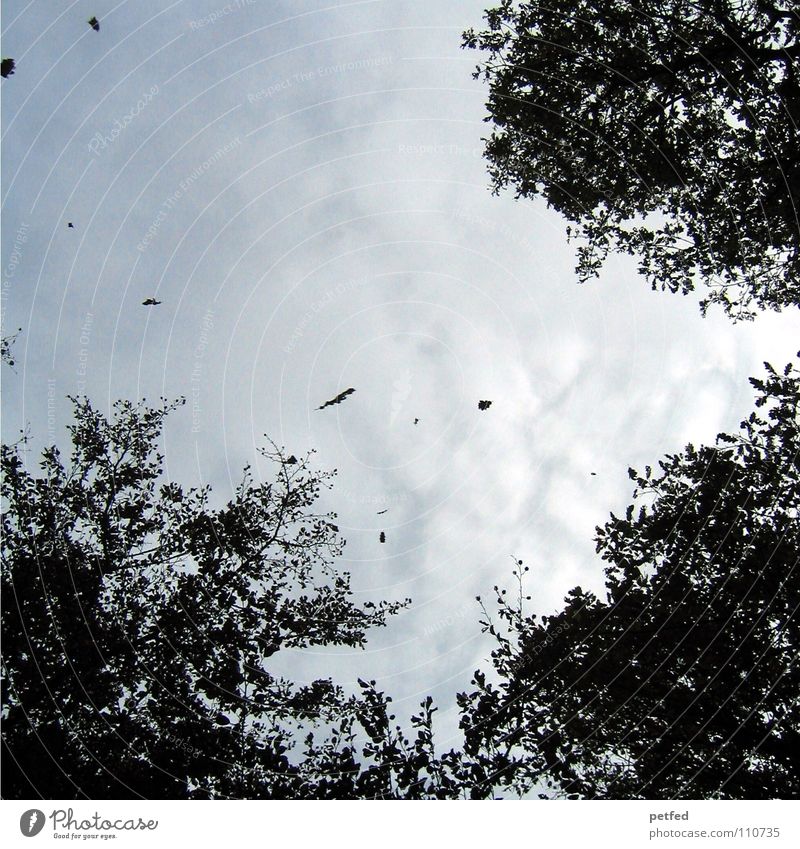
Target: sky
x: 302, y: 186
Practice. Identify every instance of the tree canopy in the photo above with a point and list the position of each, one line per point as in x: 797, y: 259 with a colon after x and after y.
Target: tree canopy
x: 139, y: 623
x: 667, y: 129
x: 683, y: 682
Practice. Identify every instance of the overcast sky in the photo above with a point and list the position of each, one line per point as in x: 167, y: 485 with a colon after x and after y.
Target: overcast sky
x: 301, y: 184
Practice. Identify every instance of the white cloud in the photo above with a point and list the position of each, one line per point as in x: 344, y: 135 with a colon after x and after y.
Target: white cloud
x: 350, y: 240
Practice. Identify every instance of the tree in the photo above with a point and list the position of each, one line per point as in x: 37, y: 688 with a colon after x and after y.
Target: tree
x: 667, y: 129
x: 138, y: 626
x: 683, y: 682
x: 7, y: 348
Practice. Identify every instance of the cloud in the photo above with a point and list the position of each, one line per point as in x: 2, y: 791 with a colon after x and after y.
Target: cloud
x: 349, y: 239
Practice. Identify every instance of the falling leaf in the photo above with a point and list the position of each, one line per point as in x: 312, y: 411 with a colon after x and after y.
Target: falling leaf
x: 338, y: 399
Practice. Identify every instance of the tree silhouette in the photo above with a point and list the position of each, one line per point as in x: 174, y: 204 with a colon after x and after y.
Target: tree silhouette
x: 683, y: 682
x: 667, y: 130
x: 7, y: 348
x: 139, y: 623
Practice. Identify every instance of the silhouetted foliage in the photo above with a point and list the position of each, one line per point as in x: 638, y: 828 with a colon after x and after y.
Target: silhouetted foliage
x: 7, y: 67
x: 667, y: 129
x: 6, y: 348
x: 138, y: 626
x: 684, y: 681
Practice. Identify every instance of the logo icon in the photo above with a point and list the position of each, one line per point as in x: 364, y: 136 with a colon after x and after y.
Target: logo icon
x: 31, y: 822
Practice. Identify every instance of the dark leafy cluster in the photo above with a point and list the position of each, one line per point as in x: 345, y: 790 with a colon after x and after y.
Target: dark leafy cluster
x: 683, y: 682
x: 139, y: 626
x: 667, y: 130
x: 7, y: 348
x: 139, y: 623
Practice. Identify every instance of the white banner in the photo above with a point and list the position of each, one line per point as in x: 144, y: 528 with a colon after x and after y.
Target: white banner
x: 631, y: 824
